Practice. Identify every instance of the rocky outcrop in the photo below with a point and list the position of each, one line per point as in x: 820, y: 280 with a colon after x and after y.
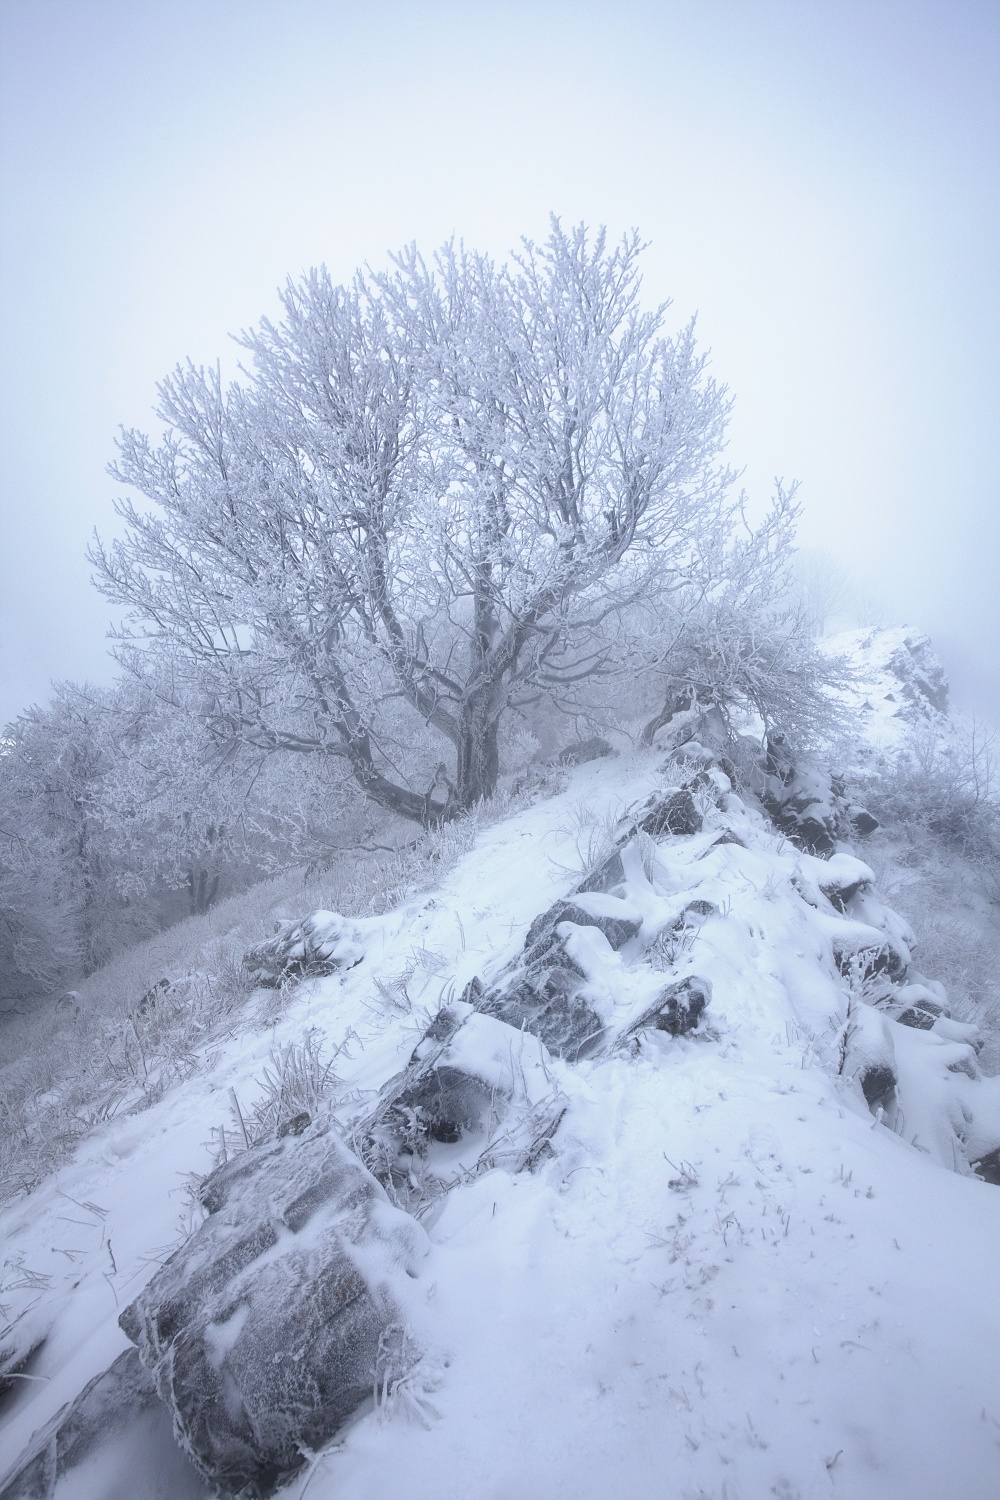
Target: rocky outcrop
x: 546, y: 999
x: 988, y: 1167
x: 868, y: 1057
x: 270, y: 1325
x: 614, y: 918
x: 677, y: 1009
x: 582, y: 751
x: 672, y: 813
x: 321, y: 944
x: 921, y: 677
x: 474, y: 1095
x: 808, y: 805
x: 108, y: 1406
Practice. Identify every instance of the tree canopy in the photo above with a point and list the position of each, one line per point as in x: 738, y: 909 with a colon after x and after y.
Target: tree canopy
x: 419, y: 505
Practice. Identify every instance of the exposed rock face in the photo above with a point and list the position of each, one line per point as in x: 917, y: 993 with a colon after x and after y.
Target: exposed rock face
x: 841, y: 879
x: 921, y: 677
x: 543, y: 991
x: 864, y: 959
x: 545, y: 999
x: 869, y: 1057
x: 916, y: 1016
x: 606, y: 877
x: 861, y: 954
x: 321, y: 944
x: 582, y: 751
x: 112, y: 1402
x: 806, y: 808
x: 988, y: 1167
x: 19, y: 1341
x: 677, y: 1009
x: 861, y: 821
x: 472, y: 1083
x: 808, y: 805
x: 675, y: 813
x: 878, y: 1084
x: 914, y: 1005
x: 269, y: 1326
x: 614, y: 918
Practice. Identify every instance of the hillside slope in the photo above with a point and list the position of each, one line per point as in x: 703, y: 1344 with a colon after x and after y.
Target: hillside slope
x: 750, y: 1258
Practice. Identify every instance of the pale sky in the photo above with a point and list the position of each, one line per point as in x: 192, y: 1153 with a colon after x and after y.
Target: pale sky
x: 819, y: 182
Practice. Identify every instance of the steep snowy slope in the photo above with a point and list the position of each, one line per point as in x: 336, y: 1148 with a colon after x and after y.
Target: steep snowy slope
x: 751, y: 1258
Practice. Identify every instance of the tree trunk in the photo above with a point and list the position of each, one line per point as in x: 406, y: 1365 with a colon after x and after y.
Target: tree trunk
x: 479, y: 752
x: 678, y: 701
x: 202, y: 891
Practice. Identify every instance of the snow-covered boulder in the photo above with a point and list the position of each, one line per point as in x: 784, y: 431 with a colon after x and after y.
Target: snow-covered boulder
x: 841, y: 878
x: 321, y: 944
x: 869, y: 1058
x: 673, y: 812
x: 474, y: 1095
x: 921, y: 677
x: 270, y: 1325
x: 898, y: 680
x: 545, y: 997
x: 677, y: 1009
x: 582, y: 751
x: 615, y: 918
x: 862, y: 951
x: 605, y: 876
x: 121, y: 1398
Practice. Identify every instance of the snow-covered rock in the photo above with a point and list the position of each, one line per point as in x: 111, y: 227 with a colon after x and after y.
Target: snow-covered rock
x: 319, y: 945
x: 899, y: 682
x: 272, y: 1323
x: 736, y: 1240
x: 476, y: 1094
x: 580, y: 752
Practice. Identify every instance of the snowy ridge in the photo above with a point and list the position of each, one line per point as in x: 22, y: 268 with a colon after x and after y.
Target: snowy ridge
x: 899, y: 682
x: 741, y: 1268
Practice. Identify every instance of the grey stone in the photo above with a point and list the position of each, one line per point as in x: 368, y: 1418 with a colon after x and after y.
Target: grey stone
x: 469, y: 1074
x: 264, y: 1332
x: 841, y: 895
x: 618, y: 927
x: 920, y: 1016
x: 108, y: 1407
x: 988, y: 1167
x: 546, y: 1001
x: 607, y: 876
x: 673, y: 813
x: 582, y: 751
x: 878, y: 1084
x: 676, y: 1009
x: 885, y: 959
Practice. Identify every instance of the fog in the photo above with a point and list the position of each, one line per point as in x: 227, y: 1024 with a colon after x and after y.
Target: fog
x: 817, y: 181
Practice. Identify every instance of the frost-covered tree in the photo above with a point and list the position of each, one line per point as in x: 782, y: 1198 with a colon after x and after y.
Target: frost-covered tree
x: 60, y: 868
x: 37, y: 939
x: 183, y: 815
x: 423, y: 503
x: 740, y: 641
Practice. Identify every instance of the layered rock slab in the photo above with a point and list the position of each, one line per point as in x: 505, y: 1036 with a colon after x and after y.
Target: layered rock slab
x: 268, y: 1328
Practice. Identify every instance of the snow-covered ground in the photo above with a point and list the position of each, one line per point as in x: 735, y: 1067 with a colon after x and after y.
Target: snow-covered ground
x: 729, y: 1280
